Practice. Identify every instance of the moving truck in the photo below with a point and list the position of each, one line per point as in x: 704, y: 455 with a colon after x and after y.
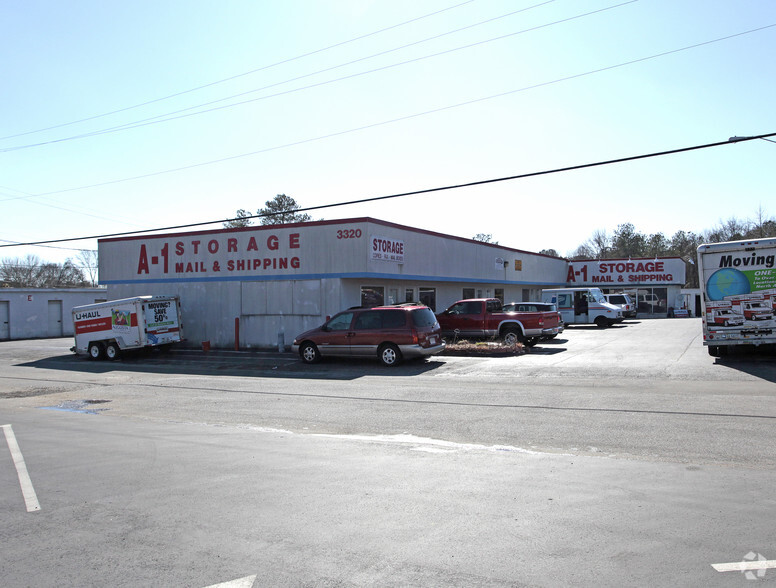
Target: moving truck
x: 581, y: 306
x: 739, y: 276
x: 105, y: 329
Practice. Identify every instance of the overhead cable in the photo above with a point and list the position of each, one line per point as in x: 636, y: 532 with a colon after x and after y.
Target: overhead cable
x: 414, y: 192
x: 234, y: 77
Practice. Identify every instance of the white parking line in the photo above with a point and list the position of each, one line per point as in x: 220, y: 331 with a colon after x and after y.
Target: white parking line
x: 246, y: 582
x: 743, y: 566
x: 30, y: 499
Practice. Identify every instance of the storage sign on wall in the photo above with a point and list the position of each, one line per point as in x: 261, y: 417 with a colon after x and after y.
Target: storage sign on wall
x: 384, y: 249
x: 626, y: 272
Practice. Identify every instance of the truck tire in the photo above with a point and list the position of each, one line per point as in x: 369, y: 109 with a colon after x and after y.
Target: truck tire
x: 389, y: 355
x: 112, y: 351
x: 96, y: 351
x: 601, y: 322
x: 714, y: 350
x: 512, y: 336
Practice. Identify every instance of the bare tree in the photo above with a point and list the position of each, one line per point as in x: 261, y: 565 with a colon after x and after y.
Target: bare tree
x: 89, y: 265
x: 31, y: 272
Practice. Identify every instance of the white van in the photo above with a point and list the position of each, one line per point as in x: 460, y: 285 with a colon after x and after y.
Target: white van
x: 583, y: 306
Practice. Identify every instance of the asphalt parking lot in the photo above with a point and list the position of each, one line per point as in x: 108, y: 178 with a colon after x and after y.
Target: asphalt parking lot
x: 612, y: 457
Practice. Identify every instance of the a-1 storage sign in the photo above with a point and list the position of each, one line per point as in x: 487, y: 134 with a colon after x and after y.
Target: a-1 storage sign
x: 626, y: 272
x: 219, y: 254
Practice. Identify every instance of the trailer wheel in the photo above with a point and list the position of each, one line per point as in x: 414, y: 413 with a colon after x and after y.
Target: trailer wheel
x: 112, y: 351
x: 95, y: 351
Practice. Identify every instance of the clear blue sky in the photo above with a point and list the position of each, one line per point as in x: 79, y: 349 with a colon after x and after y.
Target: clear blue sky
x: 510, y: 96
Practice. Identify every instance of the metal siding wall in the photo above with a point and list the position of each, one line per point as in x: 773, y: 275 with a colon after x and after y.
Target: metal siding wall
x: 331, y: 257
x: 29, y: 319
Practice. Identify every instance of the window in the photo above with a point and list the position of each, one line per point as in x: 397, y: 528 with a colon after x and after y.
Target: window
x: 368, y: 320
x: 409, y: 295
x: 392, y: 319
x: 341, y: 322
x: 499, y: 293
x: 393, y: 295
x: 468, y: 293
x: 372, y: 296
x: 379, y: 319
x: 423, y: 317
x: 428, y: 297
x: 493, y: 306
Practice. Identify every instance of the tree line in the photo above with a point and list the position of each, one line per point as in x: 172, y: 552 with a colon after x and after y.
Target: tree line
x: 625, y: 241
x: 32, y: 272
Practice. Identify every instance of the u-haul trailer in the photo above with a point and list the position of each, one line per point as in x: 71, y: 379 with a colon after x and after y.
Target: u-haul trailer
x: 741, y: 274
x: 104, y: 329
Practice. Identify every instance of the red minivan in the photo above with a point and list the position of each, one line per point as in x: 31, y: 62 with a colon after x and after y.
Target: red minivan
x: 391, y: 333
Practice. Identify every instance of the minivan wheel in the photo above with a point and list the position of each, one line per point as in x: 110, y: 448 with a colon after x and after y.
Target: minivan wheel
x: 309, y: 353
x: 389, y: 355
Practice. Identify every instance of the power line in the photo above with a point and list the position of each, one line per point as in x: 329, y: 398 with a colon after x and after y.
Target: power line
x: 394, y: 120
x: 178, y: 114
x: 234, y: 77
x: 418, y: 192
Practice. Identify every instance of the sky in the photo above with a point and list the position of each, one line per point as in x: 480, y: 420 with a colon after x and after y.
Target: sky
x: 145, y: 115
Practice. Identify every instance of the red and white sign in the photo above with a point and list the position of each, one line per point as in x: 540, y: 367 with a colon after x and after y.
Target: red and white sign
x: 384, y: 249
x: 620, y: 272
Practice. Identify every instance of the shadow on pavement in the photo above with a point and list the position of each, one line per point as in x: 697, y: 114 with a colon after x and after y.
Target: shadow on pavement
x: 246, y: 364
x: 753, y: 360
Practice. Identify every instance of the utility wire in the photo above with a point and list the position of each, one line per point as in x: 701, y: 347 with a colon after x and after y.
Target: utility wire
x: 177, y: 114
x: 234, y: 77
x: 417, y: 192
x: 392, y: 121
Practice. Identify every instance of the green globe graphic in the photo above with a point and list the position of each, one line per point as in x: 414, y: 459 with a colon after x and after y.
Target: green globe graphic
x: 727, y: 282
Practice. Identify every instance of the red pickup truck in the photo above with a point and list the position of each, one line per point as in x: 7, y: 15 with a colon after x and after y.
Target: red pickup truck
x: 485, y: 317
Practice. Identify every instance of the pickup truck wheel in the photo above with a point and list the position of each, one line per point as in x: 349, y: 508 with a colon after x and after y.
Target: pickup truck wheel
x: 512, y: 337
x: 112, y: 351
x: 309, y: 353
x: 389, y: 355
x: 95, y: 351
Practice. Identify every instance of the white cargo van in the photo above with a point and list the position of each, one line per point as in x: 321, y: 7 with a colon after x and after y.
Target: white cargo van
x: 740, y: 277
x: 104, y: 329
x: 583, y: 306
